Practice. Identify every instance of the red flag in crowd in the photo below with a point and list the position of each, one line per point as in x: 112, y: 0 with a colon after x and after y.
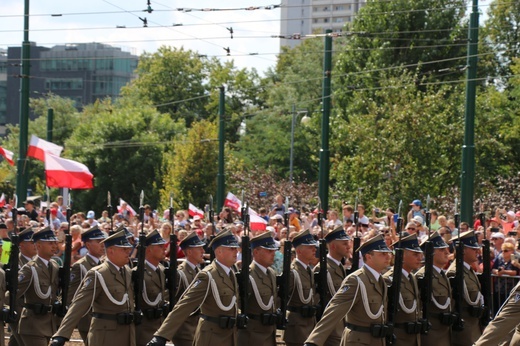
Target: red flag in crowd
x: 61, y: 172
x: 2, y: 200
x: 38, y: 147
x: 193, y: 210
x: 8, y: 155
x: 233, y: 202
x: 256, y: 223
x: 128, y: 207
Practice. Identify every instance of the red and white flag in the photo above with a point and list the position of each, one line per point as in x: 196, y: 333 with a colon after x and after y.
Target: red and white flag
x: 8, y: 155
x: 2, y: 200
x: 38, y: 147
x: 256, y: 222
x: 193, y: 210
x: 233, y: 202
x: 129, y: 208
x: 61, y: 172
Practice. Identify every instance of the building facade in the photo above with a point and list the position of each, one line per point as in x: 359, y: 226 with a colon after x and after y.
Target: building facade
x: 82, y: 72
x: 306, y: 17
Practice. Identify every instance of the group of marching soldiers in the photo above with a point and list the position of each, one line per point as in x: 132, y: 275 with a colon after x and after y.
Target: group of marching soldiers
x: 113, y: 300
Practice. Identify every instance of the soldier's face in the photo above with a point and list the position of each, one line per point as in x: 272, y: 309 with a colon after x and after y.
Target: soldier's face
x: 195, y: 254
x: 378, y: 260
x: 441, y: 257
x: 470, y: 254
x: 156, y: 252
x: 342, y: 247
x: 119, y: 255
x: 226, y: 255
x: 264, y: 257
x: 306, y: 253
x: 95, y: 247
x: 28, y: 248
x: 47, y: 249
x: 411, y: 260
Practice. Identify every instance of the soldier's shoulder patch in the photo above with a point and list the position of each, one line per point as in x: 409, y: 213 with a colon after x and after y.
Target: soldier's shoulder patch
x: 21, y: 277
x: 87, y: 282
x: 517, y: 297
x: 196, y: 283
x: 345, y: 288
x: 72, y: 277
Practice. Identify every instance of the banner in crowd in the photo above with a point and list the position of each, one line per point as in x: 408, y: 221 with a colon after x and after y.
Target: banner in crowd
x: 61, y: 172
x: 233, y: 202
x: 193, y: 210
x: 38, y: 147
x: 129, y: 208
x: 8, y: 155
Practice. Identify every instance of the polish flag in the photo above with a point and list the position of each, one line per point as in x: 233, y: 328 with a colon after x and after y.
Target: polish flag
x: 233, y: 202
x: 129, y: 208
x: 61, y: 172
x: 193, y: 210
x: 256, y: 223
x: 2, y: 200
x: 8, y: 155
x: 38, y: 147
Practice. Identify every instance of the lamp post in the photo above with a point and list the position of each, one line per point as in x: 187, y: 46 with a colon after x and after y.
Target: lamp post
x: 304, y: 120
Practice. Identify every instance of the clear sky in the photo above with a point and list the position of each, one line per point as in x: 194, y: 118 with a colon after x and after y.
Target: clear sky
x: 203, y: 31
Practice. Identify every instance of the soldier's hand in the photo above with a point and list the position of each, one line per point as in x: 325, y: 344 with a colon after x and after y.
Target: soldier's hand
x: 58, y: 341
x: 157, y: 341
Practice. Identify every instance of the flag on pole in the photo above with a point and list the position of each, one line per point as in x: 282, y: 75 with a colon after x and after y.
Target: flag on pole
x: 8, y: 155
x: 129, y: 208
x: 233, y: 202
x: 61, y: 172
x: 38, y: 147
x: 256, y: 222
x: 2, y: 200
x: 193, y: 210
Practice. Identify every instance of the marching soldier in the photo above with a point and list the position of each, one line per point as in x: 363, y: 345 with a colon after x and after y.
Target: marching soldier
x: 407, y: 322
x: 38, y: 283
x: 92, y: 239
x: 440, y: 307
x: 362, y: 298
x: 3, y: 289
x: 153, y: 296
x: 472, y: 300
x: 107, y: 290
x: 505, y: 327
x: 193, y: 248
x: 215, y: 292
x: 27, y: 252
x: 301, y: 316
x: 261, y: 307
x: 338, y: 243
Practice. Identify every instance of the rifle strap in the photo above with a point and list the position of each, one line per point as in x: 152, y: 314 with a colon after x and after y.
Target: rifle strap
x: 299, y: 288
x: 258, y: 298
x: 364, y: 299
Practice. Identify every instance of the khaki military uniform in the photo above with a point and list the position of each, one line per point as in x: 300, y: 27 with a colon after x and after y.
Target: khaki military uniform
x: 107, y: 293
x: 3, y: 289
x: 358, y: 290
x: 216, y: 293
x: 440, y: 302
x: 505, y: 327
x: 38, y: 284
x: 409, y: 310
x: 335, y: 276
x: 185, y: 334
x: 153, y: 303
x: 15, y: 339
x: 262, y: 290
x: 474, y: 298
x: 77, y: 272
x: 301, y: 285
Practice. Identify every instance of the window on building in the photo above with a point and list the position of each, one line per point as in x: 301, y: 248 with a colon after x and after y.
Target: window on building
x: 325, y: 20
x: 339, y: 8
x: 325, y: 9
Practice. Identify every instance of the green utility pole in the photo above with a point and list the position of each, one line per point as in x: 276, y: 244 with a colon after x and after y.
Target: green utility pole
x: 50, y: 122
x: 324, y: 151
x: 21, y: 170
x: 220, y: 176
x: 468, y: 149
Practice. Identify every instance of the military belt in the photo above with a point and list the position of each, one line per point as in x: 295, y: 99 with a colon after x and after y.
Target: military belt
x: 357, y: 328
x: 39, y: 309
x: 121, y: 318
x: 267, y: 319
x: 306, y: 311
x: 224, y: 322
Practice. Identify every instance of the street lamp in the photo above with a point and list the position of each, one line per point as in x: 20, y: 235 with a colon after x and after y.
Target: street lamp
x: 305, y: 120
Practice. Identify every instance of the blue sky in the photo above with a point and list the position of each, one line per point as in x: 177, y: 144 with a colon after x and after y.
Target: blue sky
x: 205, y: 32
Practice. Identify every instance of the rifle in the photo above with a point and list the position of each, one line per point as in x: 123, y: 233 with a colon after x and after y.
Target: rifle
x: 321, y: 276
x: 11, y: 274
x: 109, y: 207
x: 139, y: 273
x: 211, y: 219
x: 394, y: 289
x: 357, y: 241
x: 284, y: 279
x: 171, y: 273
x: 65, y: 269
x: 485, y: 277
x: 426, y: 289
x: 243, y: 275
x: 458, y: 282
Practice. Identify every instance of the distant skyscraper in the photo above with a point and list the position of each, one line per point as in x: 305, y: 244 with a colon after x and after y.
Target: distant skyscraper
x: 84, y: 72
x: 305, y: 17
x: 3, y: 88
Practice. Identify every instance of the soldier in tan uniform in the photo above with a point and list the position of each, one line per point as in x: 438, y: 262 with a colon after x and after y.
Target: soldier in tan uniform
x: 153, y: 296
x: 38, y: 283
x: 107, y: 290
x: 193, y: 249
x: 215, y: 292
x: 301, y: 307
x: 407, y: 322
x: 505, y: 327
x: 362, y: 298
x: 261, y: 302
x: 472, y: 301
x: 338, y: 243
x: 3, y: 289
x: 96, y: 249
x: 27, y: 252
x: 440, y: 312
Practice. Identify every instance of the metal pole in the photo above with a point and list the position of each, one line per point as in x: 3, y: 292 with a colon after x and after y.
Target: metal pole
x: 324, y: 151
x: 468, y: 149
x: 50, y: 122
x: 21, y: 172
x: 220, y: 176
x: 291, y: 157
